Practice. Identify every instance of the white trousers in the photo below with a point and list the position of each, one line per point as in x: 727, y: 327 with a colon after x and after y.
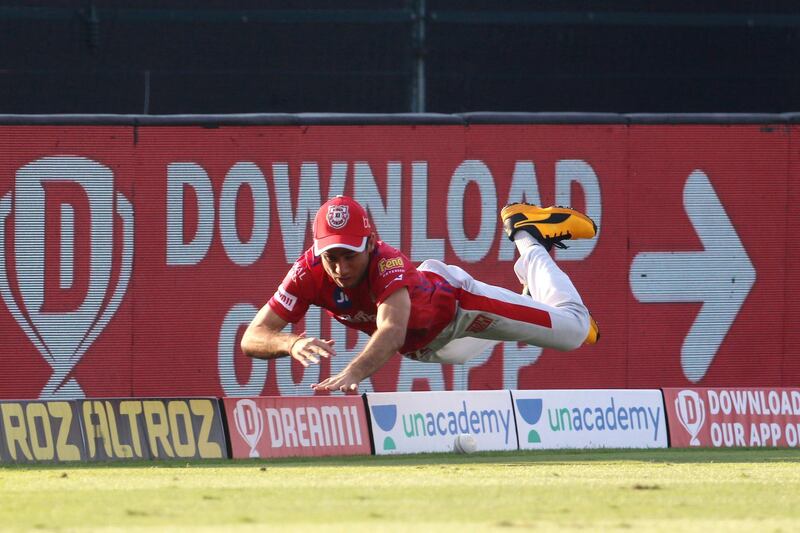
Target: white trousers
x: 553, y: 316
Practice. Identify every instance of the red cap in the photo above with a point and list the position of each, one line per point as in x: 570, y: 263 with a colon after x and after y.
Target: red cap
x: 341, y: 222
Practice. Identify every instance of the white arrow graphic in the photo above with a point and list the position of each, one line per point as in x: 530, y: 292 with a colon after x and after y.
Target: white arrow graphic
x: 720, y: 277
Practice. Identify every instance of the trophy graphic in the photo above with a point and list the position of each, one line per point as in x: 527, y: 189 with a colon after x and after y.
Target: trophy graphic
x: 62, y: 337
x: 249, y: 423
x: 691, y: 412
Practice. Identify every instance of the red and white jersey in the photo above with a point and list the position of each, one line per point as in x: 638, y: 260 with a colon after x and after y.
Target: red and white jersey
x: 433, y: 300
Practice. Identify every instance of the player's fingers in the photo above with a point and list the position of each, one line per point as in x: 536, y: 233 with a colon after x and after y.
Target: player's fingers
x: 317, y: 352
x: 298, y: 354
x: 309, y: 352
x: 305, y: 358
x: 324, y: 353
x: 324, y: 347
x: 324, y: 384
x: 321, y: 350
x: 333, y: 383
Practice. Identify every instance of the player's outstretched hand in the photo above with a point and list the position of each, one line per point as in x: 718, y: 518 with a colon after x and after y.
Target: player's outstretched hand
x: 308, y: 350
x: 344, y: 381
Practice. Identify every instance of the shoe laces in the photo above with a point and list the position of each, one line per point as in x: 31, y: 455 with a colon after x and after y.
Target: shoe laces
x: 557, y: 241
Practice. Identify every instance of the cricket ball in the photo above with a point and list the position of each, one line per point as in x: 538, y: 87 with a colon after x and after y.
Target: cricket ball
x: 465, y: 443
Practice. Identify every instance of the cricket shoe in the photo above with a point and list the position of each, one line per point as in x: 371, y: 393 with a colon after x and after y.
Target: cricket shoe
x: 548, y: 225
x: 594, y: 332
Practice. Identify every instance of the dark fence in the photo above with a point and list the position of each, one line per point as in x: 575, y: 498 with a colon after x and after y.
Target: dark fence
x: 397, y: 56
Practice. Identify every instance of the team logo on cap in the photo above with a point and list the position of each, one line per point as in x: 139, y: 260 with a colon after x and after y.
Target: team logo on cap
x: 338, y: 215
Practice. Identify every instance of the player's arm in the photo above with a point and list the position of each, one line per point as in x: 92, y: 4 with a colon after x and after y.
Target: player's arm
x: 392, y: 323
x: 264, y: 339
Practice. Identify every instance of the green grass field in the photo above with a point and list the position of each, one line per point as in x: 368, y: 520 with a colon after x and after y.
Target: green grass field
x: 666, y: 490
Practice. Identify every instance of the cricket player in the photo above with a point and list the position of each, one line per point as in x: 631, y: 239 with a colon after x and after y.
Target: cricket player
x: 433, y: 313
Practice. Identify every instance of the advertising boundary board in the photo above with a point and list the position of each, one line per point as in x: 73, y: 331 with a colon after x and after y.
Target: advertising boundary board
x: 297, y: 426
x: 733, y: 417
x: 159, y: 428
x: 419, y: 422
x: 203, y: 428
x: 41, y: 431
x: 112, y: 429
x: 609, y: 418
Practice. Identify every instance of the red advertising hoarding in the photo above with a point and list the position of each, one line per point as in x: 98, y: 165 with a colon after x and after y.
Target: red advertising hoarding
x: 746, y: 417
x: 300, y: 426
x: 132, y: 259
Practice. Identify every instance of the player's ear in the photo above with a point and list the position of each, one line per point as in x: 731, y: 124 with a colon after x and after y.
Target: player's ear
x: 371, y: 243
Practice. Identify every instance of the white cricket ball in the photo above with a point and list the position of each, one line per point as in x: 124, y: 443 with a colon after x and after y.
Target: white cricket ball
x: 465, y: 443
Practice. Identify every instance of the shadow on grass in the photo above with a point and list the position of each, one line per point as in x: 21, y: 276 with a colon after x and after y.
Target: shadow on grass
x: 550, y: 457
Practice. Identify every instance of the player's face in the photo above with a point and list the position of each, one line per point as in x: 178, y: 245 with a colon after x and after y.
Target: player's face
x: 346, y: 267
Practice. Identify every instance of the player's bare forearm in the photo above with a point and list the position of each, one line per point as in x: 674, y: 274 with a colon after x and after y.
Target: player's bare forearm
x: 264, y: 339
x: 265, y: 344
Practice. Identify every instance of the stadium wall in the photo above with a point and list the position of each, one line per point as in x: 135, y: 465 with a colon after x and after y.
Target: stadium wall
x: 135, y: 249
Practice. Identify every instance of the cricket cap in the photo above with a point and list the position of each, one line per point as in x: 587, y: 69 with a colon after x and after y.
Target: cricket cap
x: 341, y: 222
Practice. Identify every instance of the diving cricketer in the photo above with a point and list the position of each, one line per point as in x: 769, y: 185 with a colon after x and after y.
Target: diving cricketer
x: 433, y: 313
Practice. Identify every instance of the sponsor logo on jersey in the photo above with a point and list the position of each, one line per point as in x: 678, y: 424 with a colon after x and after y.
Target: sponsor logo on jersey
x: 361, y: 316
x: 298, y: 272
x: 387, y: 264
x: 399, y: 277
x: 340, y: 299
x: 286, y: 298
x: 480, y: 323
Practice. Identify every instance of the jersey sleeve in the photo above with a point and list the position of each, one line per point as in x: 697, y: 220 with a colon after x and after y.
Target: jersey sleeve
x: 294, y: 294
x: 392, y: 272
